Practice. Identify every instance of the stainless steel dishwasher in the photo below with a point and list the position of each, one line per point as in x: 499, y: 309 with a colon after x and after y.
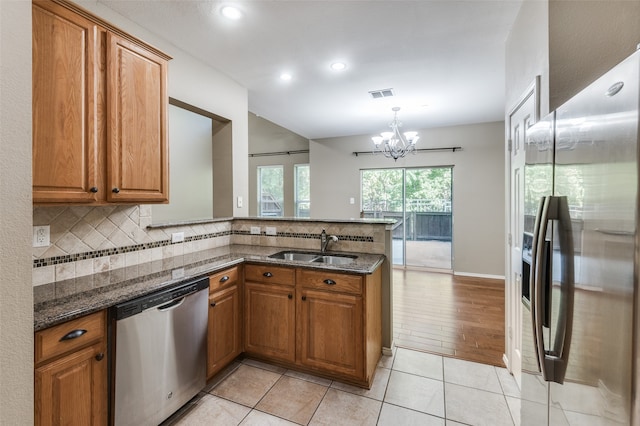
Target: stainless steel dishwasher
x: 160, y: 353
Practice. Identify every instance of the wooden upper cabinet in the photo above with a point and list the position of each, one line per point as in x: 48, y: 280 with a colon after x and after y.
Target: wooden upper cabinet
x: 99, y: 111
x: 65, y: 73
x: 137, y: 123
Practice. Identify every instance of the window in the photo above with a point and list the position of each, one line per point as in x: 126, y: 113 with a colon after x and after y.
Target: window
x: 302, y: 190
x: 270, y: 191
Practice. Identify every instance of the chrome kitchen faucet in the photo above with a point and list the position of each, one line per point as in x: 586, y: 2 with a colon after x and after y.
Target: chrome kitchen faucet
x: 325, y: 239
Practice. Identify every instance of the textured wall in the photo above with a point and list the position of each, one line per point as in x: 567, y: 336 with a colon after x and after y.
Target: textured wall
x: 16, y: 295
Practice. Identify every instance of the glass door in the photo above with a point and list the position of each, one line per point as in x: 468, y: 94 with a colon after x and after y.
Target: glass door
x: 420, y: 200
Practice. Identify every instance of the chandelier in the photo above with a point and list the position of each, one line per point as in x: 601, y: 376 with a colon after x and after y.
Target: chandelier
x: 394, y: 144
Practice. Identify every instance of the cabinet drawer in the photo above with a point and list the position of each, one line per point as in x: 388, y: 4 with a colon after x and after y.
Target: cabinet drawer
x: 223, y: 279
x: 270, y: 274
x: 330, y: 281
x: 69, y: 336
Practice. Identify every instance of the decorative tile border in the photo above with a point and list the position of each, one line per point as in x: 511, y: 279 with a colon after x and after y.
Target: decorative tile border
x: 38, y: 263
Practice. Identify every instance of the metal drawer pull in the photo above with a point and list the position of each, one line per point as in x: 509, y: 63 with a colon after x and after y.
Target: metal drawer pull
x: 329, y: 282
x: 115, y: 190
x: 224, y: 279
x: 99, y: 356
x: 304, y: 297
x: 268, y: 274
x: 72, y: 335
x: 213, y: 304
x: 289, y: 296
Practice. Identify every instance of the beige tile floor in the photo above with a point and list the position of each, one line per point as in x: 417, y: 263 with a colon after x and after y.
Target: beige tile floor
x: 410, y: 388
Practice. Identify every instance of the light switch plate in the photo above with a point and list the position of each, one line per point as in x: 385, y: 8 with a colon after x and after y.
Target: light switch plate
x: 270, y: 230
x: 240, y: 202
x: 255, y: 230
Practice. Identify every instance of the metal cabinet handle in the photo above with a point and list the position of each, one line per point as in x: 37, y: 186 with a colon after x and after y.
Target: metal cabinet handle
x: 329, y: 282
x: 289, y: 296
x: 115, y: 190
x: 99, y: 357
x: 213, y: 304
x: 224, y: 279
x: 304, y: 297
x: 268, y: 274
x: 93, y: 189
x: 72, y: 335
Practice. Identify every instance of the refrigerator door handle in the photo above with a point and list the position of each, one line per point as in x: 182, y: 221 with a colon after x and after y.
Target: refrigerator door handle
x: 554, y: 361
x: 537, y: 267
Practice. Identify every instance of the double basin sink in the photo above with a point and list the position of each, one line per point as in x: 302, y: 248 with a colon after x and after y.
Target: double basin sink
x: 316, y: 257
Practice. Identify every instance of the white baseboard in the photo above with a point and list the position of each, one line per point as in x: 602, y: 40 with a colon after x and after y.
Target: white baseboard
x: 506, y: 362
x: 470, y: 274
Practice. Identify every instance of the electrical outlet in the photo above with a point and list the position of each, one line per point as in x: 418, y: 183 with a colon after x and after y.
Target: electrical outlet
x: 255, y: 230
x: 270, y: 230
x: 41, y: 235
x: 177, y: 237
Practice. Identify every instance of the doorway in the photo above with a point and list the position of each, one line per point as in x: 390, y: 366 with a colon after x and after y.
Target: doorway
x: 420, y: 200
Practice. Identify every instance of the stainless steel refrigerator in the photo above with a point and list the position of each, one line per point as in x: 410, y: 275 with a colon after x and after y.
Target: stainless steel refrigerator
x: 580, y: 257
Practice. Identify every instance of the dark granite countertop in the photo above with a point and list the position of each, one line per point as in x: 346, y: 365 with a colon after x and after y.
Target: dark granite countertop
x: 61, y: 301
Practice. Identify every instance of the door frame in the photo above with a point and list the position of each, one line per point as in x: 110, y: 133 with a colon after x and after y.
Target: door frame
x: 513, y: 333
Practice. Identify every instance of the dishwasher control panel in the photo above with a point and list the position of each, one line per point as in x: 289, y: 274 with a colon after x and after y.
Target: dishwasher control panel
x: 143, y: 303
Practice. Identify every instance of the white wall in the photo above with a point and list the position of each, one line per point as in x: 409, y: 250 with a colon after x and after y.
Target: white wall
x: 586, y: 39
x: 478, y: 186
x: 527, y: 54
x: 197, y: 84
x: 16, y: 295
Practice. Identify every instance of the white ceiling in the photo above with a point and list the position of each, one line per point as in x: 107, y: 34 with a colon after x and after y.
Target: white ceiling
x: 443, y: 59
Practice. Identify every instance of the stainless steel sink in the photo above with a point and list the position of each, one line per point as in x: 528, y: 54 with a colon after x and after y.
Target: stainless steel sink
x: 334, y: 260
x: 294, y: 255
x: 305, y: 256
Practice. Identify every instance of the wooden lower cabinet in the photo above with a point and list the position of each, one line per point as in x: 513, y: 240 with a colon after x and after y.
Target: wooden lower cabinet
x: 270, y: 321
x: 331, y: 335
x: 71, y: 373
x: 224, y: 342
x: 334, y: 328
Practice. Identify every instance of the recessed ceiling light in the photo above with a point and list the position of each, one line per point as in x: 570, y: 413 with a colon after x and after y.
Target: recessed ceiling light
x: 338, y: 66
x: 285, y: 76
x: 231, y: 12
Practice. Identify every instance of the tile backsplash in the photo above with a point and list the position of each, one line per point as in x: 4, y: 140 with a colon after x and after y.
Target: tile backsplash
x: 88, y: 240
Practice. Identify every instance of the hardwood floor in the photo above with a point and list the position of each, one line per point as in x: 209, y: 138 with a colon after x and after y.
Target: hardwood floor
x: 460, y: 317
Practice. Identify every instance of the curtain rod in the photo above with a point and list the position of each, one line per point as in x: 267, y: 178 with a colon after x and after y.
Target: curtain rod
x: 269, y: 154
x: 451, y: 148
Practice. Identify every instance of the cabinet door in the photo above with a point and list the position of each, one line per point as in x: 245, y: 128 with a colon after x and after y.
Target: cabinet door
x: 137, y: 158
x: 73, y: 389
x: 270, y: 321
x: 65, y: 70
x: 331, y: 336
x: 223, y: 342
